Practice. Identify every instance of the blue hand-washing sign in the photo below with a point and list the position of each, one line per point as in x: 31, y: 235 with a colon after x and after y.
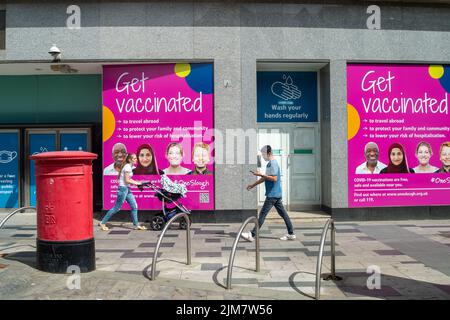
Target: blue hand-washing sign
x: 287, y: 96
x: 9, y: 169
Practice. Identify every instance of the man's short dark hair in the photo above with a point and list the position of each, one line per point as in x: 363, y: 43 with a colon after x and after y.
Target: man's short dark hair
x: 267, y: 149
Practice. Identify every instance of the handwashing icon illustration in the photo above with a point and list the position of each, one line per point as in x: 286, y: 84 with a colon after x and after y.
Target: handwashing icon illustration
x: 7, y: 156
x: 286, y: 90
x: 43, y: 149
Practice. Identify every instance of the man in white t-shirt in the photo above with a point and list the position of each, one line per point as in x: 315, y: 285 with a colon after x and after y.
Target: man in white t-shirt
x: 119, y: 151
x: 372, y: 165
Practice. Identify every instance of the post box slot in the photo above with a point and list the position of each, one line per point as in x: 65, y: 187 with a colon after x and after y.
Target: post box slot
x: 60, y: 171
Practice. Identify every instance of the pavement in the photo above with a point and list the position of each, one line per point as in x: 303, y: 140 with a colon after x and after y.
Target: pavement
x: 377, y: 260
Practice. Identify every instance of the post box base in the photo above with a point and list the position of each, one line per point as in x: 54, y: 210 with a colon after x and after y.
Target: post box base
x: 57, y: 257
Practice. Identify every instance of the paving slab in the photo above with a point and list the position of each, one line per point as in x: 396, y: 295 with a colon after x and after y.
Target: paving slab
x: 411, y: 256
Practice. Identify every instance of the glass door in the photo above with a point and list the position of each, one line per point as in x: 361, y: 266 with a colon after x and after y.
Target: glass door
x: 278, y: 139
x: 304, y: 164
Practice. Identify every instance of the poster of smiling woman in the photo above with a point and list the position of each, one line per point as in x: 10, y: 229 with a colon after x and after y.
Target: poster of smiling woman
x: 164, y: 113
x: 398, y: 135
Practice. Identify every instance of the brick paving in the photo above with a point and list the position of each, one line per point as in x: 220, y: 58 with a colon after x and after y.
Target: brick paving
x: 413, y: 259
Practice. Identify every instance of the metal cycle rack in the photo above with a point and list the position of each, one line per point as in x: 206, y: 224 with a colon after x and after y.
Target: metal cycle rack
x: 188, y: 241
x: 2, y: 223
x: 328, y: 225
x: 233, y: 251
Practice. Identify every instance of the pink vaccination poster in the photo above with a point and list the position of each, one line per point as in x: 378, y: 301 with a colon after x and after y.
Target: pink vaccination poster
x: 164, y: 113
x: 398, y: 135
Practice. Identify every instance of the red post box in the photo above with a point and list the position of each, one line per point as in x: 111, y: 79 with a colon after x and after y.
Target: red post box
x: 64, y: 196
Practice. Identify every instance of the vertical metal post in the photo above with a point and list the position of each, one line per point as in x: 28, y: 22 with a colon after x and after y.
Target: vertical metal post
x: 233, y: 250
x: 257, y: 247
x: 231, y: 262
x: 320, y: 256
x: 329, y: 224
x: 158, y: 244
x: 188, y: 240
x: 333, y: 249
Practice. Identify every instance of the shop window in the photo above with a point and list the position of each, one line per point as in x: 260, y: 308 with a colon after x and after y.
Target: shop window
x: 2, y: 29
x: 51, y: 139
x: 10, y: 156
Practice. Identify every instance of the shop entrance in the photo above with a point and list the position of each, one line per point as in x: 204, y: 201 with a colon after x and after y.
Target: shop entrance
x: 288, y: 117
x: 46, y: 107
x: 297, y: 150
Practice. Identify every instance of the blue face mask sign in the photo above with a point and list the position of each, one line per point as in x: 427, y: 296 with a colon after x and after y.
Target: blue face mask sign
x: 9, y: 169
x: 287, y: 96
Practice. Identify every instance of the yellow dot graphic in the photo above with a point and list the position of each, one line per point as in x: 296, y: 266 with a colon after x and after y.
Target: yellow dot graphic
x: 182, y: 69
x: 353, y: 121
x: 436, y: 72
x: 109, y: 123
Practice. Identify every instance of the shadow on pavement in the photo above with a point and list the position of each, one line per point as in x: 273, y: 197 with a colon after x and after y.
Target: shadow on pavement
x: 215, y: 276
x: 15, y: 247
x: 147, y: 270
x: 25, y: 257
x: 356, y: 284
x: 294, y: 286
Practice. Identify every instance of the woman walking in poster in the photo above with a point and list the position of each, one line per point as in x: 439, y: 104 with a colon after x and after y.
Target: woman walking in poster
x: 423, y: 154
x: 397, y: 160
x: 146, y: 161
x: 124, y: 193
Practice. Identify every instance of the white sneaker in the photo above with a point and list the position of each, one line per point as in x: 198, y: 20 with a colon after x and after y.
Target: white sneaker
x: 288, y: 237
x: 247, y: 236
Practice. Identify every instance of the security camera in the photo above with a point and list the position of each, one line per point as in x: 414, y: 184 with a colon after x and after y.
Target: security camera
x: 55, y: 53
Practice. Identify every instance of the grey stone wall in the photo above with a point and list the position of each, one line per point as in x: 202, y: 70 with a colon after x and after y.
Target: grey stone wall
x: 235, y: 36
x: 2, y: 27
x: 325, y: 107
